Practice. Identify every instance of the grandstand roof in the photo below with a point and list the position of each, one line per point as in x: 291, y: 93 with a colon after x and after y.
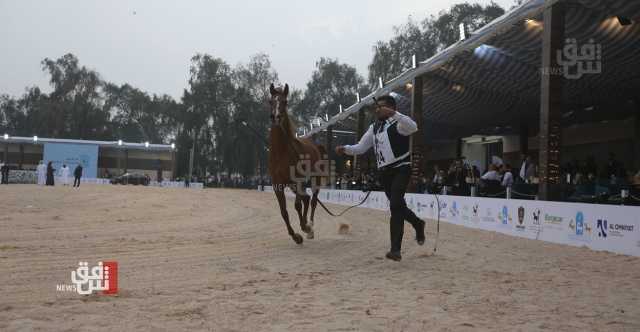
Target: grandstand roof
x: 492, y: 78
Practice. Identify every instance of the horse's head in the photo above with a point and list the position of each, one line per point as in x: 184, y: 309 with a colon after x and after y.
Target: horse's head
x: 279, y: 104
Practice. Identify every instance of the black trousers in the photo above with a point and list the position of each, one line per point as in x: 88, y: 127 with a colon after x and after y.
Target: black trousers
x: 76, y: 182
x: 395, y: 181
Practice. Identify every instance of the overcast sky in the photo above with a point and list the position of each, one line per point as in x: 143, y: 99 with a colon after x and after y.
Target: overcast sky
x: 148, y: 43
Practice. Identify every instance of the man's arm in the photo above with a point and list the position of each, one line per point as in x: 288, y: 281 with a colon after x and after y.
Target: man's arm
x: 406, y: 125
x: 366, y: 142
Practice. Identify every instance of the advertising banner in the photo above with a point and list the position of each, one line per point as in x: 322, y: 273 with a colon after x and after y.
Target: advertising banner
x: 612, y: 228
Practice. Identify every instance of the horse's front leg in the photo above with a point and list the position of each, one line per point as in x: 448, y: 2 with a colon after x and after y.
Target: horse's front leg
x: 282, y: 202
x: 300, y: 200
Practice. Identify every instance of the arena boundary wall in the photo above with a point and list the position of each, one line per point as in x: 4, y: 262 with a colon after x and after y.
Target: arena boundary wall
x: 612, y: 228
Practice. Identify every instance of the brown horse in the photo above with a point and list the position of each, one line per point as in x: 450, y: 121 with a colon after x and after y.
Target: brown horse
x: 285, y: 154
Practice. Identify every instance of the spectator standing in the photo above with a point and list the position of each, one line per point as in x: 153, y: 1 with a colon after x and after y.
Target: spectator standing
x: 42, y: 173
x: 77, y: 174
x: 50, y: 172
x: 507, y: 177
x: 64, y: 174
x: 4, y: 173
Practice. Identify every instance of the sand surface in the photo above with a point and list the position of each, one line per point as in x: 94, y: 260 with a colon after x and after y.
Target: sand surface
x: 220, y: 260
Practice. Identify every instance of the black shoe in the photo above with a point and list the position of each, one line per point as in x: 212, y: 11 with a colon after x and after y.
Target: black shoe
x: 395, y: 256
x: 420, y: 232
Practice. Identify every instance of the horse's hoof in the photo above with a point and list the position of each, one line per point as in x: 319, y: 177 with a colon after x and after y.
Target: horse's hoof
x: 310, y: 234
x: 298, y: 238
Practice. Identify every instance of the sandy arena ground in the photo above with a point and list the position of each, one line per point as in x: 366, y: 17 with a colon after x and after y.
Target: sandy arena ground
x: 220, y: 260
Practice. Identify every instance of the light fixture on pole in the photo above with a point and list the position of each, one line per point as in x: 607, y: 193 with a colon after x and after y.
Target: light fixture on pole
x: 173, y: 146
x: 6, y: 136
x: 380, y: 83
x: 35, y: 138
x: 146, y: 144
x: 463, y: 32
x: 326, y: 117
x: 358, y: 97
x: 414, y: 63
x: 340, y: 108
x: 119, y: 142
x: 624, y: 21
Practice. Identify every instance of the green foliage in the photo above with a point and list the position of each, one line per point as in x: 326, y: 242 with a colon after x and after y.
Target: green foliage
x: 332, y: 84
x: 426, y: 38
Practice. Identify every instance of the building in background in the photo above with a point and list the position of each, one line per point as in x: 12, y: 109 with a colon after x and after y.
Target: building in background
x: 100, y: 159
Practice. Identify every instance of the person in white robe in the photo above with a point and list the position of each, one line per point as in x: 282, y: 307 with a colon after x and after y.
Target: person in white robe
x: 64, y: 174
x: 42, y: 173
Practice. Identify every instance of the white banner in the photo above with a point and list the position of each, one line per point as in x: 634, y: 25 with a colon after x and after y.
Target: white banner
x: 166, y: 184
x: 612, y: 228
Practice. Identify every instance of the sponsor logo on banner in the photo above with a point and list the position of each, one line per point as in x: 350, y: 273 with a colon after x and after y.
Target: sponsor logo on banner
x: 488, y: 216
x: 602, y: 228
x: 422, y: 207
x: 443, y: 209
x: 535, y: 224
x: 536, y: 217
x: 520, y: 226
x: 475, y: 213
x: 453, y: 210
x: 580, y: 229
x: 410, y: 204
x: 607, y: 229
x: 504, y: 217
x: 553, y: 222
x: 465, y: 213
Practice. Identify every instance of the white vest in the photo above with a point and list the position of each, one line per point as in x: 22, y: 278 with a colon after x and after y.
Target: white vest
x: 390, y: 147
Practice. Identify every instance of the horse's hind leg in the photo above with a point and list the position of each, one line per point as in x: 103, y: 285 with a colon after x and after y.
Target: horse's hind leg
x: 309, y: 226
x: 282, y: 202
x: 314, y: 203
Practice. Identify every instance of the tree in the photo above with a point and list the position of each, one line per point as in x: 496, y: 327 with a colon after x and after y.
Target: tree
x: 76, y: 99
x: 207, y: 103
x: 332, y: 84
x: 432, y: 35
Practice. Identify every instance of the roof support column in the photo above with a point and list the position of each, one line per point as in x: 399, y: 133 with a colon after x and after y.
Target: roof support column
x: 636, y: 139
x: 418, y: 151
x: 126, y: 161
x: 329, y: 140
x: 173, y: 165
x: 551, y: 103
x: 21, y: 156
x: 6, y: 153
x: 358, y: 160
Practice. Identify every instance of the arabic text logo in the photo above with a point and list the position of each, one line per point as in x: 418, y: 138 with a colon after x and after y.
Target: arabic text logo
x: 102, y: 277
x: 575, y: 61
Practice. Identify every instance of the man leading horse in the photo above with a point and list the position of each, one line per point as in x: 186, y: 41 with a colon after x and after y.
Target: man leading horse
x: 389, y: 136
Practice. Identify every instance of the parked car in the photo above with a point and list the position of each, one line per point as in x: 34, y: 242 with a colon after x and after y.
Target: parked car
x: 131, y: 178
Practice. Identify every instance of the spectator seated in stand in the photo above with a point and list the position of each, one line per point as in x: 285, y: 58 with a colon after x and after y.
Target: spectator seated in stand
x: 492, y: 182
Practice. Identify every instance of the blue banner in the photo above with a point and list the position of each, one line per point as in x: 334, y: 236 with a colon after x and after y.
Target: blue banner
x: 72, y: 155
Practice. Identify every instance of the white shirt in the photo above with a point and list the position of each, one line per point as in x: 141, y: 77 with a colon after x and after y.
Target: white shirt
x: 507, y: 179
x: 523, y: 170
x: 491, y: 175
x: 405, y: 125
